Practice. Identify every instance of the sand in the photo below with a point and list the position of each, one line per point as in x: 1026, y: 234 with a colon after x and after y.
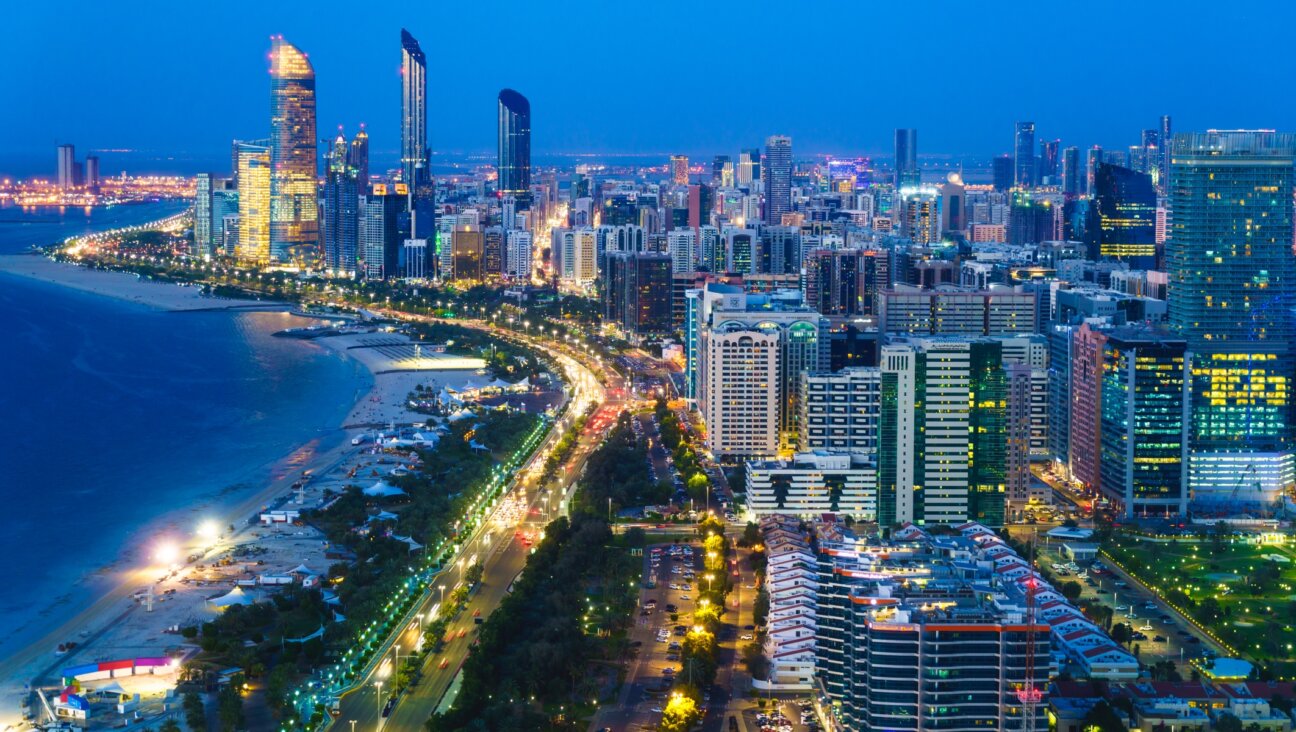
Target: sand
x: 116, y: 625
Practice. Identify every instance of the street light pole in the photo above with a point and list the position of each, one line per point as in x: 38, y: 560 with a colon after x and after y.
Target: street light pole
x: 378, y: 684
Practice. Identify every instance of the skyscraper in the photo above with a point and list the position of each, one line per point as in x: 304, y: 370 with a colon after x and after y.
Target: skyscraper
x: 1122, y: 217
x: 1231, y: 290
x: 414, y: 147
x: 1024, y: 155
x: 1048, y: 161
x: 719, y: 165
x: 358, y: 157
x: 340, y: 227
x: 1167, y: 140
x: 253, y: 166
x: 202, y: 237
x: 294, y: 210
x: 514, y: 146
x: 906, y: 158
x: 777, y: 178
x: 1002, y: 172
x: 66, y: 167
x: 679, y: 170
x: 1071, y: 171
x: 90, y: 174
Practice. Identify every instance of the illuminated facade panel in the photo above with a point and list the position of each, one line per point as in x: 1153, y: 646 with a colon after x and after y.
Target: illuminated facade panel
x: 294, y: 207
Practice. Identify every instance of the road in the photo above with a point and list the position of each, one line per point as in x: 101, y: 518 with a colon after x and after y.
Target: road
x: 502, y: 555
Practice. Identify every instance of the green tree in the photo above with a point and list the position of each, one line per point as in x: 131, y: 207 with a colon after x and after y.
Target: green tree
x: 1122, y: 633
x: 760, y: 607
x: 1104, y: 718
x: 169, y: 726
x: 1071, y: 590
x: 195, y: 714
x: 1228, y: 723
x: 697, y: 486
x: 230, y: 706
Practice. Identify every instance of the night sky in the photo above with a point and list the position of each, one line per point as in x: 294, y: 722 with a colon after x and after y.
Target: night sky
x: 650, y: 77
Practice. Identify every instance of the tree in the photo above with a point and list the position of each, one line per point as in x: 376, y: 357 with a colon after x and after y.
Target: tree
x: 230, y: 706
x: 474, y: 574
x: 1071, y: 590
x: 1228, y: 723
x: 1103, y: 719
x: 760, y: 607
x: 751, y: 537
x: 697, y: 486
x: 754, y: 659
x: 169, y: 726
x: 680, y: 714
x: 195, y: 714
x: 1122, y: 633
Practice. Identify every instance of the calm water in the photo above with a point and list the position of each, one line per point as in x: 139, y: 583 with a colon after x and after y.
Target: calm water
x: 113, y: 416
x: 20, y: 228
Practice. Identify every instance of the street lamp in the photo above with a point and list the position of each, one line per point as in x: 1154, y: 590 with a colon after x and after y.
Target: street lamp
x: 378, y: 684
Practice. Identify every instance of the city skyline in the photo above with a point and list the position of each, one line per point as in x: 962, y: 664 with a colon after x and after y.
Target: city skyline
x: 600, y: 116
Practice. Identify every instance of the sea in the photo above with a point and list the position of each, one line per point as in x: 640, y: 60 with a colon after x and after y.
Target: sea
x: 122, y: 426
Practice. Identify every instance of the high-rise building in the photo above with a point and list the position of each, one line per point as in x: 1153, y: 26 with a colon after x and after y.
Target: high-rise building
x: 637, y: 291
x: 1167, y: 140
x: 467, y: 245
x: 682, y: 246
x: 845, y: 282
x: 906, y: 158
x: 1071, y: 173
x: 777, y: 177
x: 1093, y: 156
x: 1048, y: 161
x: 224, y: 210
x: 254, y: 204
x: 358, y: 157
x: 383, y: 232
x: 1232, y: 284
x: 514, y: 146
x: 679, y: 166
x: 722, y: 171
x: 294, y: 207
x: 518, y: 255
x: 202, y: 236
x: 740, y: 250
x: 415, y: 156
x: 1143, y: 422
x: 920, y: 214
x: 748, y: 167
x: 739, y: 402
x: 840, y: 411
x: 340, y: 226
x: 1024, y: 155
x: 943, y: 432
x: 90, y: 174
x: 1002, y: 172
x: 1122, y: 217
x: 67, y: 167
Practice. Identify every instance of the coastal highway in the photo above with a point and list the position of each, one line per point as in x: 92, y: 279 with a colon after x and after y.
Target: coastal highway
x: 502, y: 554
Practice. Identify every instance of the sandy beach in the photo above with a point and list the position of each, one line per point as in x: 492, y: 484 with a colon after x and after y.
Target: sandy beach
x: 116, y: 624
x: 124, y: 286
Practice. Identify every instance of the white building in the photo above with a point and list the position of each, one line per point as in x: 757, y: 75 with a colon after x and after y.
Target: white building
x: 813, y: 484
x: 682, y: 245
x: 518, y: 255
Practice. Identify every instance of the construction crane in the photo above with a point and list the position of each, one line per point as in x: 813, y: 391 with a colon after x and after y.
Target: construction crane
x: 1028, y: 694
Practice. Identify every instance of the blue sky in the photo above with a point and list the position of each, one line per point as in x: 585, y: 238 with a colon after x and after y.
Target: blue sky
x: 622, y: 77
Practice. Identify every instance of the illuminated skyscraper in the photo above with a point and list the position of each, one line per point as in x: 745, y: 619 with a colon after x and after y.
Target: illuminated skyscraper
x: 1024, y: 155
x: 679, y: 170
x: 1230, y: 265
x: 414, y: 147
x: 67, y: 167
x: 514, y: 146
x: 254, y: 204
x: 1071, y: 171
x: 294, y: 207
x: 906, y: 158
x: 358, y: 157
x: 777, y: 178
x: 340, y: 227
x: 1122, y: 217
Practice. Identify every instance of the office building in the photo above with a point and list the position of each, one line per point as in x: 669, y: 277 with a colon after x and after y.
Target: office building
x: 811, y: 485
x: 906, y: 158
x: 1024, y: 155
x: 340, y: 226
x: 514, y: 146
x: 682, y: 246
x: 679, y: 169
x: 740, y: 366
x: 1231, y: 290
x: 383, y: 231
x: 1071, y: 172
x: 67, y: 168
x: 740, y: 251
x: 1143, y: 422
x: 294, y: 208
x: 777, y: 177
x: 467, y: 250
x: 1048, y: 162
x: 416, y: 165
x: 957, y: 311
x: 202, y: 234
x: 920, y: 214
x: 1122, y: 217
x: 224, y: 209
x: 518, y: 255
x: 254, y: 182
x: 1002, y: 173
x: 840, y: 411
x: 90, y: 174
x: 845, y: 282
x: 943, y: 432
x: 637, y: 291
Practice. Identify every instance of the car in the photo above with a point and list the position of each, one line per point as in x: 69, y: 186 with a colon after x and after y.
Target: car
x: 669, y: 671
x: 747, y: 636
x: 657, y: 710
x: 1146, y: 626
x: 445, y: 664
x: 1136, y: 635
x: 670, y: 608
x: 477, y: 613
x: 1159, y: 638
x: 388, y: 707
x: 685, y: 597
x: 463, y: 632
x: 749, y: 627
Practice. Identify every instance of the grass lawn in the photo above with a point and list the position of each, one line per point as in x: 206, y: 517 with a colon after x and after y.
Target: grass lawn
x: 1236, y: 589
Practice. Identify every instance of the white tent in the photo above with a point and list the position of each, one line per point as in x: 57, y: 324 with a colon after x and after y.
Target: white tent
x: 413, y: 545
x: 383, y: 489
x: 383, y: 516
x: 235, y: 596
x: 461, y: 414
x: 109, y: 688
x: 301, y: 569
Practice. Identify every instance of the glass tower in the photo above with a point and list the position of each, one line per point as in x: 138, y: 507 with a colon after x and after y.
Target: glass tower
x: 1024, y: 155
x: 1122, y: 217
x: 514, y: 145
x: 294, y: 207
x: 1230, y: 265
x: 777, y: 178
x: 906, y: 158
x: 414, y: 149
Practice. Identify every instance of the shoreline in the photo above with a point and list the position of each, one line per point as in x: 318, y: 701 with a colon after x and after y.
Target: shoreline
x: 112, y: 584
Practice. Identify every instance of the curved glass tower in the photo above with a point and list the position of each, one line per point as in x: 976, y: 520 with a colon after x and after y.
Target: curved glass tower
x: 294, y: 212
x: 514, y: 145
x: 414, y: 149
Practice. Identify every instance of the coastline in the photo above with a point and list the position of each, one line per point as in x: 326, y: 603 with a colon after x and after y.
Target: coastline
x: 112, y: 584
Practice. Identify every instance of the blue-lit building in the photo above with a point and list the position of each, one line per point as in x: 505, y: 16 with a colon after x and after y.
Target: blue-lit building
x: 1122, y: 217
x: 514, y: 146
